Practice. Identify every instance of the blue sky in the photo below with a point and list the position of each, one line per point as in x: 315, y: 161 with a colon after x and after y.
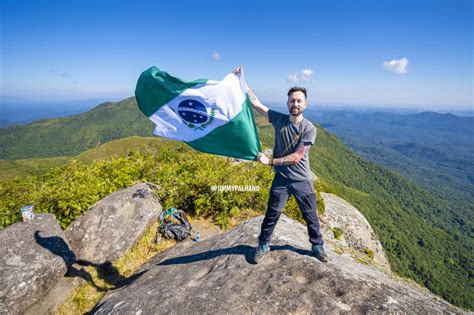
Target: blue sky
x: 63, y: 50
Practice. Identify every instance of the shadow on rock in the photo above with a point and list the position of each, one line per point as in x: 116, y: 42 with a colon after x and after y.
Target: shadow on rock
x: 291, y: 248
x: 110, y: 274
x: 57, y: 246
x: 243, y: 250
x: 105, y: 271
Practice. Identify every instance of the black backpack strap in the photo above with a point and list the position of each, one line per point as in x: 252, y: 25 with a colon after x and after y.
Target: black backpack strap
x: 184, y: 218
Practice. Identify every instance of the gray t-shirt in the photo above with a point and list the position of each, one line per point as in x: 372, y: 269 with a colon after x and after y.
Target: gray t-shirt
x: 287, y: 138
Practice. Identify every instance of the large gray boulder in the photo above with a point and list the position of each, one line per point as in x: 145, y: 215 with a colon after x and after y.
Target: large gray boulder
x: 114, y: 224
x: 357, y: 234
x: 34, y: 255
x: 217, y: 276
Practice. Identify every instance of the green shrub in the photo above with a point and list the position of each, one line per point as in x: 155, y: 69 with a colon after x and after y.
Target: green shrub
x: 369, y: 253
x: 321, y: 205
x: 185, y: 178
x: 337, y: 231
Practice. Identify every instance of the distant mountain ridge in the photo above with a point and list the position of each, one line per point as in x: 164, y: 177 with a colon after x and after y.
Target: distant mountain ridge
x: 5, y: 122
x: 74, y: 134
x: 20, y: 112
x: 432, y: 120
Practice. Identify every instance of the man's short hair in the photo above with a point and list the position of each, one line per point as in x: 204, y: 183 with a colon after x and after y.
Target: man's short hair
x: 298, y: 89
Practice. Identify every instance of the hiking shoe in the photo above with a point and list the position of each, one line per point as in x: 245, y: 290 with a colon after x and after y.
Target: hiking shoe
x: 260, y: 252
x: 319, y: 253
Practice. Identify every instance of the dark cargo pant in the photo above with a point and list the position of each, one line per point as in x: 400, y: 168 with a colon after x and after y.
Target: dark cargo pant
x: 305, y: 196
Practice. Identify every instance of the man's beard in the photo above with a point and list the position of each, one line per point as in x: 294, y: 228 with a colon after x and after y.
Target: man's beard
x: 299, y: 112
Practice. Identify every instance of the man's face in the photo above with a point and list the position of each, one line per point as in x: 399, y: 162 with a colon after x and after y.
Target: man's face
x: 296, y: 103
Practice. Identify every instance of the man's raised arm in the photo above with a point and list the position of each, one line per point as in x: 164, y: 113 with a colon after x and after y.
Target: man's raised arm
x: 256, y: 104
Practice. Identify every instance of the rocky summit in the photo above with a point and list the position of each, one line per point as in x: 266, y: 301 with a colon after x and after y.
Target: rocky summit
x: 217, y: 275
x: 33, y: 256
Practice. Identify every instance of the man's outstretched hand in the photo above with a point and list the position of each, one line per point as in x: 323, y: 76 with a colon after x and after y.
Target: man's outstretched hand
x: 238, y: 70
x: 262, y: 158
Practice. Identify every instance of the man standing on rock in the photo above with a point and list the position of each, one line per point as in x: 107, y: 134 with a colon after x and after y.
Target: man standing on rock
x: 294, y: 135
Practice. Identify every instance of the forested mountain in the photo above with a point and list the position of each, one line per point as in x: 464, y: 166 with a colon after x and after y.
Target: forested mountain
x: 74, y: 134
x: 433, y: 149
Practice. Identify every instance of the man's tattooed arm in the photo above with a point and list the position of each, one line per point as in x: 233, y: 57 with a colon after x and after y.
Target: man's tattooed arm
x: 259, y: 107
x: 252, y: 96
x: 293, y: 158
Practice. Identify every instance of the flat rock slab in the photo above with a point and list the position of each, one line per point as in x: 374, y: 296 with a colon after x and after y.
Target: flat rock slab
x: 114, y: 224
x: 205, y: 228
x: 34, y: 255
x: 217, y: 276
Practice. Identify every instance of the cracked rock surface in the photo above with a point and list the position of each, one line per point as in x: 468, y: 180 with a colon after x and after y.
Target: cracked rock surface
x: 114, y: 224
x: 218, y: 276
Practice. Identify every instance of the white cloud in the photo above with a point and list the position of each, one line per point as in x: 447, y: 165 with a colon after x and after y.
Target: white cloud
x: 303, y: 75
x: 61, y: 74
x: 396, y: 66
x: 216, y: 56
x: 65, y: 75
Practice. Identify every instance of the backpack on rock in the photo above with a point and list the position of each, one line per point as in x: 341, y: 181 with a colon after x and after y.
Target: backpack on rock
x: 174, y: 223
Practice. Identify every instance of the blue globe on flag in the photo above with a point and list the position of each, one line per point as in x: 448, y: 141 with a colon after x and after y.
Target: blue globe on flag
x: 193, y: 112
